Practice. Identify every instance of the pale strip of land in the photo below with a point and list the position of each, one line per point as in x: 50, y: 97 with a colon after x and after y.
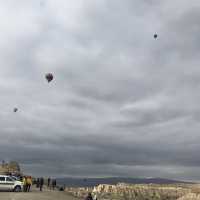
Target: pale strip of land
x: 36, y: 195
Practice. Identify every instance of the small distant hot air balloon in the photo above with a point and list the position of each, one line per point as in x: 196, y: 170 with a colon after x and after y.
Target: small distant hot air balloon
x: 15, y: 109
x: 155, y: 36
x: 49, y: 77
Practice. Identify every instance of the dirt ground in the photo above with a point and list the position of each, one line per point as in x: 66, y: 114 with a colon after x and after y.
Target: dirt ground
x: 35, y: 195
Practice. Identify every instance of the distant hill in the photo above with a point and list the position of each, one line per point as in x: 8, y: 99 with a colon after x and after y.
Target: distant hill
x: 91, y: 182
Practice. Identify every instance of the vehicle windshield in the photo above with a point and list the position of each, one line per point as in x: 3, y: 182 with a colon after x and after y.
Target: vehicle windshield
x: 9, y: 179
x: 15, y: 178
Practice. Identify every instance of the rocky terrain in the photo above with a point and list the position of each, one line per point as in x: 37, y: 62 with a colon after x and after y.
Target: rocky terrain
x: 137, y: 192
x: 11, y: 167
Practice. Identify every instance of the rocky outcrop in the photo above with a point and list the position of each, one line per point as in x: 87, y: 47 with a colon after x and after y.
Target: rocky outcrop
x: 190, y: 196
x: 136, y: 192
x: 10, y: 168
x: 78, y: 192
x: 142, y: 192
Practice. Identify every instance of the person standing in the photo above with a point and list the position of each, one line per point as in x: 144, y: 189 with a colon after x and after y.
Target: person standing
x: 54, y: 184
x: 29, y: 183
x: 24, y: 181
x: 41, y: 183
x: 48, y: 182
x: 37, y: 183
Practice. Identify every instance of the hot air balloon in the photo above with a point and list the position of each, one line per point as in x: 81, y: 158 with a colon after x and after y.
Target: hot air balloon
x: 15, y: 109
x: 49, y: 77
x: 155, y: 36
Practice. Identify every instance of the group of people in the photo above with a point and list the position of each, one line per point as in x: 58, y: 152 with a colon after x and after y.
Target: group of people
x: 51, y: 183
x: 40, y: 183
x: 27, y: 182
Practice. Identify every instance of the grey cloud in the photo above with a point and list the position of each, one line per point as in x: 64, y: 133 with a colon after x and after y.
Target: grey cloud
x: 121, y: 103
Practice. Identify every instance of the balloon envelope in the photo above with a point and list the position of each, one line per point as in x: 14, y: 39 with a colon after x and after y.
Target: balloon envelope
x: 49, y: 77
x: 155, y: 36
x: 15, y: 109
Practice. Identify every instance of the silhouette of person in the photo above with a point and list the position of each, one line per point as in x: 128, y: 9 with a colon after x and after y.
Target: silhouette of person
x: 41, y: 183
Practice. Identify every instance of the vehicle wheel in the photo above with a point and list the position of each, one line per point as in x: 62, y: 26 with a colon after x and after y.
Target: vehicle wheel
x: 17, y: 188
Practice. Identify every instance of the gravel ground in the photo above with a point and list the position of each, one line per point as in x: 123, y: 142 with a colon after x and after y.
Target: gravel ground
x: 35, y: 195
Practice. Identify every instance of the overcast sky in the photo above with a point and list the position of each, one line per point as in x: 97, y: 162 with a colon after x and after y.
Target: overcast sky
x: 121, y: 103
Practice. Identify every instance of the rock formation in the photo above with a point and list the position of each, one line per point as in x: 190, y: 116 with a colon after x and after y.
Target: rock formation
x: 136, y: 192
x: 10, y: 168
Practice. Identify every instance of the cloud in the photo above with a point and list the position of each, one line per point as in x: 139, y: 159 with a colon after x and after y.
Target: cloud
x: 121, y: 103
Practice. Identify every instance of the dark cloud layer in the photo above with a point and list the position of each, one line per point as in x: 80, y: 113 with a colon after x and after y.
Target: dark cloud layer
x: 121, y: 103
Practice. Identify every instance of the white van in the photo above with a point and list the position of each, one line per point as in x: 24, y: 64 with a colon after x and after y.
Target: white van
x: 7, y: 183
